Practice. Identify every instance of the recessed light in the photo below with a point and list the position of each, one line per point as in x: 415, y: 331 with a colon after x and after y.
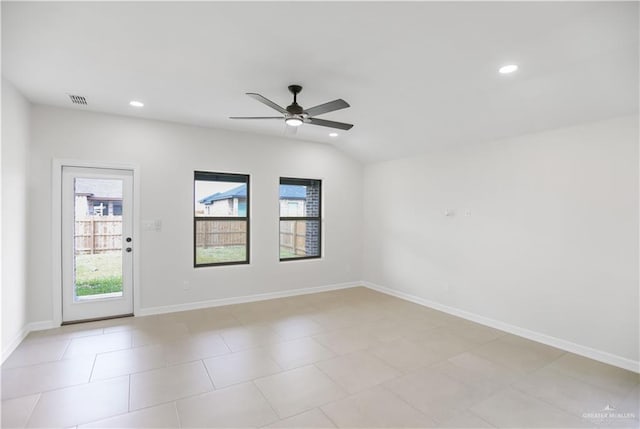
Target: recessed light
x: 333, y: 134
x: 509, y: 68
x: 135, y: 103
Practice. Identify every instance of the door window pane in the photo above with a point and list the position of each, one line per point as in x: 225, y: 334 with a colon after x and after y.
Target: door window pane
x: 97, y: 238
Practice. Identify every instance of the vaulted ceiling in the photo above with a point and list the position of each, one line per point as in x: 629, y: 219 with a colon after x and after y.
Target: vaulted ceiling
x: 418, y: 75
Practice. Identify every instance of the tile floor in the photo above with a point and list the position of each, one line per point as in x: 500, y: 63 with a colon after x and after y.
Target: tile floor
x: 349, y: 358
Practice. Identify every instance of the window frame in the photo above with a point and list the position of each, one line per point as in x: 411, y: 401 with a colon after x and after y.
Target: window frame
x: 302, y: 182
x: 240, y: 178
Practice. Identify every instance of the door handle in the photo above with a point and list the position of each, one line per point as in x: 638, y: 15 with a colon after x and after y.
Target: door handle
x: 128, y: 249
x: 128, y: 239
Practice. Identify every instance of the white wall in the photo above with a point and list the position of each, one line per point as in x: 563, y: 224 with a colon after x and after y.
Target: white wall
x: 551, y: 242
x: 14, y: 155
x: 168, y: 154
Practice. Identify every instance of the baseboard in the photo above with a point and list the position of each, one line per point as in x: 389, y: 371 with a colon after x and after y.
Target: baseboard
x: 569, y: 346
x: 243, y: 299
x: 559, y: 343
x: 9, y: 348
x: 41, y: 326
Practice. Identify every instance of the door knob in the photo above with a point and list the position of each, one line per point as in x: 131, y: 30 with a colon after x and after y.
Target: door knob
x: 128, y: 239
x: 128, y: 249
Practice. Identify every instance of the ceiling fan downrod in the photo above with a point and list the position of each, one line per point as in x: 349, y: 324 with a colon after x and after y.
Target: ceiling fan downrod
x: 295, y: 108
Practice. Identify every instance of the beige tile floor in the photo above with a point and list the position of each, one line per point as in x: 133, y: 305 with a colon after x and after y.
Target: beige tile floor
x: 349, y: 358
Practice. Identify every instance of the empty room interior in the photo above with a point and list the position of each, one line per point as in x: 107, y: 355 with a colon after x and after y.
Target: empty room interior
x: 320, y: 214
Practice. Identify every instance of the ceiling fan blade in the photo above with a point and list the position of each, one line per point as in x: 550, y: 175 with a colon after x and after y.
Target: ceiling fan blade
x: 330, y: 124
x: 327, y: 107
x: 266, y: 101
x: 255, y: 117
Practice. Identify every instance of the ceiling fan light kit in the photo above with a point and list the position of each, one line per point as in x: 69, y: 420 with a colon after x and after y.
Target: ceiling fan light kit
x: 295, y: 115
x: 293, y: 121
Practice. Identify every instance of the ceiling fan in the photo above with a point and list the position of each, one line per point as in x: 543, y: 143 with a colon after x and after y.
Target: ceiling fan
x: 295, y: 115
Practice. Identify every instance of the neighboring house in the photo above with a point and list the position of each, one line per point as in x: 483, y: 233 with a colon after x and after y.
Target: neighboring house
x: 292, y: 200
x: 234, y: 201
x: 98, y: 197
x: 228, y: 203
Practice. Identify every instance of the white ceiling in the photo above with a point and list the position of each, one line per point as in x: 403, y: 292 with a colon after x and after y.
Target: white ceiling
x: 417, y: 75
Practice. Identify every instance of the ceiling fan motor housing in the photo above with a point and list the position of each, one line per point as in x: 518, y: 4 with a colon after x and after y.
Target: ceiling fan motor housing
x: 295, y: 109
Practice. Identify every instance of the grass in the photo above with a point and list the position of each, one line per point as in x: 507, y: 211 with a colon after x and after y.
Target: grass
x: 98, y: 274
x: 218, y: 254
x: 286, y: 252
x: 102, y: 273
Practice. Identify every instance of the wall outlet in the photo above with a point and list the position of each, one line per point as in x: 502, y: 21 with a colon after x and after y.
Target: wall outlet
x: 186, y: 285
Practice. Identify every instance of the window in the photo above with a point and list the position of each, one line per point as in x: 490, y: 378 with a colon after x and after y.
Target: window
x: 220, y: 219
x: 300, y: 212
x: 117, y: 208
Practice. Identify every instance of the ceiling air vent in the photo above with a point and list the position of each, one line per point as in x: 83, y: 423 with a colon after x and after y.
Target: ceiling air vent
x: 78, y: 99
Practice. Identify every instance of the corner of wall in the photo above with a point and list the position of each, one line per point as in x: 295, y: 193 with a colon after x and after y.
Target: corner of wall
x: 14, y: 158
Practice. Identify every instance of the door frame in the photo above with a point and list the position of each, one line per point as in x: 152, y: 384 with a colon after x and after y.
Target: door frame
x: 56, y: 227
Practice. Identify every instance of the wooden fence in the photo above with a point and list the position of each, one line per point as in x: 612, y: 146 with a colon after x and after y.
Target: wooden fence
x: 211, y: 233
x: 293, y: 236
x: 98, y: 234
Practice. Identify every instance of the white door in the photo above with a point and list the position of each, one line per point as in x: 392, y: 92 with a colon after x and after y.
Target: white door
x: 97, y: 243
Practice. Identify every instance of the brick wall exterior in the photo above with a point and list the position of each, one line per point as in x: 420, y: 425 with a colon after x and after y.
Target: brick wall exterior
x: 312, y: 239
